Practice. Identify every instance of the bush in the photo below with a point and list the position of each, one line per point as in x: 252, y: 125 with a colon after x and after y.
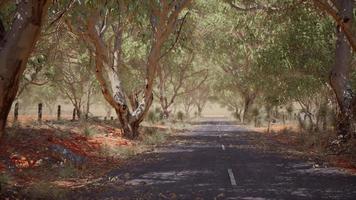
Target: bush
x: 89, y: 132
x: 180, y: 115
x: 152, y: 117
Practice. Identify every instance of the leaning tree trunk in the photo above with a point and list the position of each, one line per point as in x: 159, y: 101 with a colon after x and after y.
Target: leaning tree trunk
x: 16, y: 46
x: 108, y: 61
x: 339, y: 76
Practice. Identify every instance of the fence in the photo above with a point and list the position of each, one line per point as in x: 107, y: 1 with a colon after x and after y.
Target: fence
x: 40, y: 113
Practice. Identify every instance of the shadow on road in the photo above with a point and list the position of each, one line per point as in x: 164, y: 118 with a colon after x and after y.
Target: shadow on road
x: 195, y: 166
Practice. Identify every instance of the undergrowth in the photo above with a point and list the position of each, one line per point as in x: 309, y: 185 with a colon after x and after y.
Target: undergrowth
x: 45, y: 190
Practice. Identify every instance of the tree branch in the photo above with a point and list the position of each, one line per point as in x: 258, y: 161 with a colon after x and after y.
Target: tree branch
x: 345, y: 24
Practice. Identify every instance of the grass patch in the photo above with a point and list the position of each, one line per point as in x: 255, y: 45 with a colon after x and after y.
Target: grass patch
x: 45, y: 190
x: 4, y: 181
x: 119, y: 152
x: 89, y: 132
x: 154, y: 138
x: 318, y: 140
x: 68, y: 171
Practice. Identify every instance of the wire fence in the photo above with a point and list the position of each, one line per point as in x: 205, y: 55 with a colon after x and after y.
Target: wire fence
x: 41, y: 112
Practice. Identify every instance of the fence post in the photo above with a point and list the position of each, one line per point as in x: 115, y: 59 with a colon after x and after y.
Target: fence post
x: 16, y: 112
x: 74, y: 113
x: 105, y: 118
x: 40, y: 112
x: 112, y: 118
x: 59, y: 112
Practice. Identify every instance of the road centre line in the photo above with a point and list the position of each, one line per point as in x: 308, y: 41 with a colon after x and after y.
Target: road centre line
x: 223, y: 147
x: 232, y: 178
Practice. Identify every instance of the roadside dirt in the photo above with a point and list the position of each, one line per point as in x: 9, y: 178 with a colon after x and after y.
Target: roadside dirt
x: 289, y: 140
x: 63, y: 154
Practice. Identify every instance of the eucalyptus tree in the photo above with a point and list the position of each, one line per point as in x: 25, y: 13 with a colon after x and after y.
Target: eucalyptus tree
x: 103, y: 28
x: 20, y: 27
x: 232, y: 40
x: 342, y: 12
x: 72, y: 74
x: 293, y: 66
x: 178, y: 75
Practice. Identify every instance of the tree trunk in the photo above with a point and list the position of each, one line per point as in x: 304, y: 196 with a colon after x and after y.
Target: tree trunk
x: 247, y: 104
x: 200, y: 110
x: 108, y: 61
x: 16, y: 46
x: 339, y: 76
x: 166, y: 113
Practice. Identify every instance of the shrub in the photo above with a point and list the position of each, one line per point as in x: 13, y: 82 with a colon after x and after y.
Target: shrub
x: 152, y: 117
x: 89, y: 132
x: 180, y: 115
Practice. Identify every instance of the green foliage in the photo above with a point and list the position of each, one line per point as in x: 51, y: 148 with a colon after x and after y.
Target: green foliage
x: 296, y: 60
x: 255, y: 112
x: 153, y: 117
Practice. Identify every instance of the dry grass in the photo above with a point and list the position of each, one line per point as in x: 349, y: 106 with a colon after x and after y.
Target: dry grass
x: 289, y: 138
x: 36, y: 167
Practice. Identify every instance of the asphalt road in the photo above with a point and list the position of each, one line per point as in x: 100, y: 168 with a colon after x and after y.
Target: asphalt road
x: 218, y: 161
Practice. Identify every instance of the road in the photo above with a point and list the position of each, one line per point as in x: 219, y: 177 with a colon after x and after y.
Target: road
x: 217, y: 160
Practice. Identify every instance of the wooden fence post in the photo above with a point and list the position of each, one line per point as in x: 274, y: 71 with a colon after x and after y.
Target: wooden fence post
x: 59, y: 112
x: 16, y: 112
x: 112, y: 118
x: 40, y: 112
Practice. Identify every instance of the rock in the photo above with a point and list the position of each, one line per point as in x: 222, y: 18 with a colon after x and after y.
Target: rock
x: 67, y: 154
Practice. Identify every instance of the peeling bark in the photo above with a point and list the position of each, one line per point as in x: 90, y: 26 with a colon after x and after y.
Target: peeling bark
x: 108, y: 61
x: 16, y: 46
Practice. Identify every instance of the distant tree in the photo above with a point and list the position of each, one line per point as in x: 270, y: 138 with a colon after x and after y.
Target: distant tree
x: 175, y: 79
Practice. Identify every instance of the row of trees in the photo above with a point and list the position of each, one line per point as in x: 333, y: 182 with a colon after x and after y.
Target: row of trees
x: 276, y: 54
x: 124, y: 44
x: 243, y: 54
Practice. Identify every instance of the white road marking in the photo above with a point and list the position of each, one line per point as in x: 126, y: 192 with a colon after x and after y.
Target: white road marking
x: 220, y: 136
x: 232, y: 178
x: 223, y: 147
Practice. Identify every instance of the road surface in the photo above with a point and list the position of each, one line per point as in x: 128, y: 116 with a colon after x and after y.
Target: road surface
x: 217, y: 160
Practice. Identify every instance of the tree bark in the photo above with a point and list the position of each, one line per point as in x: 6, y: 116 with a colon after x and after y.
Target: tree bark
x: 16, y: 46
x: 248, y: 101
x: 339, y: 76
